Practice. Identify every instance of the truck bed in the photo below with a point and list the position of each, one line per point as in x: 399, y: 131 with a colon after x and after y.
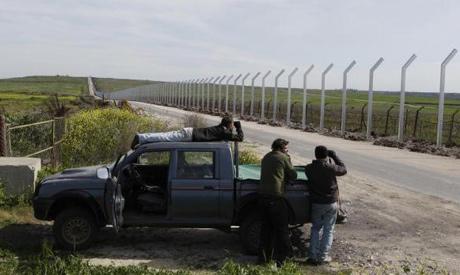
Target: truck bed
x: 252, y: 171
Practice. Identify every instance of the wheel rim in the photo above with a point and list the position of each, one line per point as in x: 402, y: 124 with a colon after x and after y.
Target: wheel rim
x: 76, y: 231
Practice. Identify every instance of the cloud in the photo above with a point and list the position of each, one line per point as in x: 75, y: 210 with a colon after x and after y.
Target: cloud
x: 172, y: 40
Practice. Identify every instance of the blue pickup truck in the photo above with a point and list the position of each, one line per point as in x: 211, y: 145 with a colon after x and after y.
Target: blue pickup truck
x: 173, y: 184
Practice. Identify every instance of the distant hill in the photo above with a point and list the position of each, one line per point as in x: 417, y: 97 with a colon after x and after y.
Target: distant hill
x: 116, y: 84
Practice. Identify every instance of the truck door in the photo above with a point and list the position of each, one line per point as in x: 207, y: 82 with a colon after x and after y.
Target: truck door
x: 195, y: 187
x: 114, y: 203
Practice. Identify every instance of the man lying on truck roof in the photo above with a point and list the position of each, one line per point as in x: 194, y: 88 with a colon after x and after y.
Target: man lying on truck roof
x: 221, y: 132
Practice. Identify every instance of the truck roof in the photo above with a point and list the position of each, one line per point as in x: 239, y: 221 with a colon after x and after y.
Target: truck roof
x: 186, y: 145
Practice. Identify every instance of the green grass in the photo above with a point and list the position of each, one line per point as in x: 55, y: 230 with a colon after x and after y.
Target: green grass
x: 17, y: 102
x: 46, y: 85
x: 112, y: 84
x: 30, y: 94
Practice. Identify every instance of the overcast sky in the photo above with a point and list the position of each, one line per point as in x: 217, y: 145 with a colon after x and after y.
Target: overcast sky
x: 176, y: 40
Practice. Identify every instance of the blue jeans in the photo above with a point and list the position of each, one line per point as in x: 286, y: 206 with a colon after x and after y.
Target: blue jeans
x: 323, y: 218
x: 184, y: 134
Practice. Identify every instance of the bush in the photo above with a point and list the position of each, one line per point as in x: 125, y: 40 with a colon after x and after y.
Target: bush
x: 194, y: 121
x: 247, y: 156
x: 100, y: 135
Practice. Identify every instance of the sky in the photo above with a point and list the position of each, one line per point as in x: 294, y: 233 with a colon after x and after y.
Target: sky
x: 180, y: 40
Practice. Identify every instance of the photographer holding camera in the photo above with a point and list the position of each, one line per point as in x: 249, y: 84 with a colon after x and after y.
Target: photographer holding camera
x: 221, y: 132
x: 324, y: 194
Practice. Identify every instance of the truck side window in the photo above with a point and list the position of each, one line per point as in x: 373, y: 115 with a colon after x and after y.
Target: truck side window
x: 195, y: 165
x: 158, y: 158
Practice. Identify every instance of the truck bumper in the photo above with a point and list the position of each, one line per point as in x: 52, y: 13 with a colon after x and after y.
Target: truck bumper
x: 41, y: 208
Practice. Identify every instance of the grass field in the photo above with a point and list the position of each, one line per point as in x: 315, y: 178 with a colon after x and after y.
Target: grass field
x: 46, y: 85
x: 30, y: 94
x: 113, y: 84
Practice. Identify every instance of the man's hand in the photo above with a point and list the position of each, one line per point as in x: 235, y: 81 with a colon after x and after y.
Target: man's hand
x: 331, y: 154
x: 237, y: 124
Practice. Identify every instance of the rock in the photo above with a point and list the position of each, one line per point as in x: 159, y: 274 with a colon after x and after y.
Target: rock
x: 19, y: 174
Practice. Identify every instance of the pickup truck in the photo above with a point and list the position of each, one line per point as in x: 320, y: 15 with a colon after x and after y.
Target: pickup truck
x: 166, y: 184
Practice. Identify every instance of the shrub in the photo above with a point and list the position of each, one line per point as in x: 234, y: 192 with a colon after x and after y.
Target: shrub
x: 99, y: 135
x: 194, y: 121
x: 247, y: 156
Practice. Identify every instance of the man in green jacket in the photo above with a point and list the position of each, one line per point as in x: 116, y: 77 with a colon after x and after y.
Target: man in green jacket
x: 276, y: 171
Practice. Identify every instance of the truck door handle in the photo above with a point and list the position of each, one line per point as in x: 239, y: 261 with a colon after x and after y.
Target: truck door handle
x: 208, y: 187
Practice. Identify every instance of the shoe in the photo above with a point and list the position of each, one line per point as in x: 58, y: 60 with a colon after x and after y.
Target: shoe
x: 326, y: 260
x: 311, y: 261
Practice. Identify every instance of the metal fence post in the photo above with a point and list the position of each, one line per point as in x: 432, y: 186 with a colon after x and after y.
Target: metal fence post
x: 343, y: 121
x: 193, y: 93
x: 262, y: 105
x: 226, y: 93
x: 441, y: 97
x: 402, y: 97
x: 219, y: 98
x: 207, y: 93
x: 213, y: 105
x: 323, y: 95
x: 371, y: 96
x: 3, y: 129
x: 275, y: 94
x: 304, y: 105
x: 203, y: 84
x: 451, y: 129
x: 417, y: 114
x: 288, y: 107
x: 53, y: 145
x: 234, y: 93
x: 251, y: 108
x: 242, y: 94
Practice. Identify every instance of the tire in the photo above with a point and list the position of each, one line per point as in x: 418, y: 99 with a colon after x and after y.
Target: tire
x: 75, y: 229
x: 250, y: 233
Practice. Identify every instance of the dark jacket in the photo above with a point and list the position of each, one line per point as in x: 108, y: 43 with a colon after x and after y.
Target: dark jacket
x: 216, y: 133
x: 275, y: 172
x: 321, y: 175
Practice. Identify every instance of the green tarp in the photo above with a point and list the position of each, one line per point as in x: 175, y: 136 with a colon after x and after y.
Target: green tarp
x: 252, y: 171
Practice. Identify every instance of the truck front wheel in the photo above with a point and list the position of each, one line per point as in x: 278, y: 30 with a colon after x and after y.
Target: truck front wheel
x: 75, y: 228
x: 250, y: 233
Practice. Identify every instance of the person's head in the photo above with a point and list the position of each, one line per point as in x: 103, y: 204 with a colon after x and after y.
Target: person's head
x: 227, y: 121
x: 280, y: 144
x: 321, y: 152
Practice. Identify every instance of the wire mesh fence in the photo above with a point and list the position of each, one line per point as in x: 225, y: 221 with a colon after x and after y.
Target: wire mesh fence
x: 41, y: 139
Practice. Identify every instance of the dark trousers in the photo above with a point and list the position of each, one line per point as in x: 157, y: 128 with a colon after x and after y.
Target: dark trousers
x: 274, y: 234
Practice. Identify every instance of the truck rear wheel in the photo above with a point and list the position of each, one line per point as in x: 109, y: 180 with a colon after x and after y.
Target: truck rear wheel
x: 75, y: 228
x: 250, y: 233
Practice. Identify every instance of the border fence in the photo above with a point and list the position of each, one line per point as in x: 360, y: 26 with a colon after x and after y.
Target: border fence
x: 294, y: 107
x: 23, y: 140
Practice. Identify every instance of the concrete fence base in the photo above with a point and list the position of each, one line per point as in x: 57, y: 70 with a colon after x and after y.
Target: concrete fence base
x: 19, y: 175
